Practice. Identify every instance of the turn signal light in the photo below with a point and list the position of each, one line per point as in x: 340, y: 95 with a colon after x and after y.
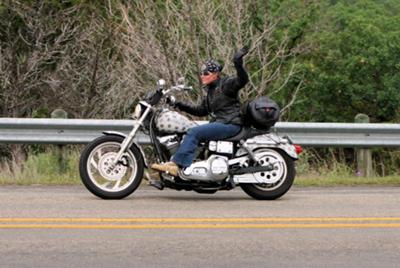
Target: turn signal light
x: 298, y: 148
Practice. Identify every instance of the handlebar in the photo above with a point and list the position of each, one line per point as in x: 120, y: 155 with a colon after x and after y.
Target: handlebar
x: 177, y: 88
x: 155, y: 98
x: 161, y: 83
x: 181, y: 87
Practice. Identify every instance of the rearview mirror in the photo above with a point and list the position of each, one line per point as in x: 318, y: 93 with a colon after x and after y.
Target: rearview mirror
x: 161, y: 83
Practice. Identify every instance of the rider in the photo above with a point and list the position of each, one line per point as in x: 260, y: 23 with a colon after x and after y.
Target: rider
x: 222, y: 103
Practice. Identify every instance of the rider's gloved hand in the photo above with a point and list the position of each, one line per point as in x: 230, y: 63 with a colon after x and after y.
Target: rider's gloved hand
x: 171, y: 101
x: 238, y: 57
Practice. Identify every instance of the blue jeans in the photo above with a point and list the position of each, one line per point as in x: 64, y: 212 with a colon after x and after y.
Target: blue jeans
x: 207, y: 132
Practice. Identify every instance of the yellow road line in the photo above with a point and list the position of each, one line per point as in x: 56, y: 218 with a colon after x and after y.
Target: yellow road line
x: 200, y: 226
x: 209, y: 220
x: 200, y: 223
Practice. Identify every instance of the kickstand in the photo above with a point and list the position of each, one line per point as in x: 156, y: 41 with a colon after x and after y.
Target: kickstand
x: 155, y: 183
x: 231, y: 183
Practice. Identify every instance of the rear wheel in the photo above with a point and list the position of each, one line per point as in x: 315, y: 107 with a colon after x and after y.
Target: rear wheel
x: 278, y: 181
x: 104, y: 181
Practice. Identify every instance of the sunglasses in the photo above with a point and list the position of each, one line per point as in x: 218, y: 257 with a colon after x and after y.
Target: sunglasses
x: 205, y: 73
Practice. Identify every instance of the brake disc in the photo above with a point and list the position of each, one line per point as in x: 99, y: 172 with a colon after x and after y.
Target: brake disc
x: 105, y: 163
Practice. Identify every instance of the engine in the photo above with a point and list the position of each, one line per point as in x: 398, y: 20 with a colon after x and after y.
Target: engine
x: 170, y: 143
x: 215, y: 168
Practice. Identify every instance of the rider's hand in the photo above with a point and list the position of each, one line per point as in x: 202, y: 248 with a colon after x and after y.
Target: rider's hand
x: 171, y: 101
x: 238, y: 57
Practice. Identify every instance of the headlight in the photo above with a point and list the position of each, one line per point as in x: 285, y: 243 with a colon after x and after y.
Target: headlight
x: 138, y: 112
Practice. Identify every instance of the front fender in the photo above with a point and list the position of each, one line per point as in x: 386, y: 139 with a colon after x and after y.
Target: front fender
x: 120, y: 134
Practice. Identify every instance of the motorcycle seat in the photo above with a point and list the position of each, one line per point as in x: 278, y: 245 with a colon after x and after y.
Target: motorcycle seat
x: 246, y: 133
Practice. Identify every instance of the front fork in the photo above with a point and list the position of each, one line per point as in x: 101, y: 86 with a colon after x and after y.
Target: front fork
x: 127, y: 143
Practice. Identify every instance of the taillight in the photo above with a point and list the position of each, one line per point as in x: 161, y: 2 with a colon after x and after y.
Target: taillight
x: 298, y: 148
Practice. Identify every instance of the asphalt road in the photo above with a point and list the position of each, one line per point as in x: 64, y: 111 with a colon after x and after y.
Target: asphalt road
x: 308, y: 227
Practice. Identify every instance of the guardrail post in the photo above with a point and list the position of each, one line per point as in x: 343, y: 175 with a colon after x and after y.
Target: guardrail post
x: 364, y: 157
x: 61, y: 157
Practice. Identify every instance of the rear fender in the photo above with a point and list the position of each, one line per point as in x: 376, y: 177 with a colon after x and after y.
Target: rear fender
x: 115, y: 133
x: 271, y: 141
x: 289, y: 149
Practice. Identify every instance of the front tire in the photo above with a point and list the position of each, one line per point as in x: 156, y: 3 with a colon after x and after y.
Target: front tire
x: 281, y: 184
x: 104, y: 182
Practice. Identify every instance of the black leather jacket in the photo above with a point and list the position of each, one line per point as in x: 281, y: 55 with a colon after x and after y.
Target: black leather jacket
x: 222, y: 100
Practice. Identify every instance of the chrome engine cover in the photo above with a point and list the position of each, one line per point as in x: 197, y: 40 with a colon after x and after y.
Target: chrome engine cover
x: 215, y: 168
x: 170, y: 142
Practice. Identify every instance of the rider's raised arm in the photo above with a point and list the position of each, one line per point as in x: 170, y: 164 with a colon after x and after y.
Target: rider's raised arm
x: 233, y: 84
x: 197, y: 110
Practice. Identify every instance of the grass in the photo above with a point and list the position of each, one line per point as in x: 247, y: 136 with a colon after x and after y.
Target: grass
x: 335, y: 173
x: 44, y: 169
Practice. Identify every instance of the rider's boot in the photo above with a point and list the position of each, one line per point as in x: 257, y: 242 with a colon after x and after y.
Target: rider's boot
x: 169, y: 167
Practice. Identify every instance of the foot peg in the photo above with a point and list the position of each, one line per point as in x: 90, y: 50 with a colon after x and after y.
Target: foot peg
x: 157, y: 184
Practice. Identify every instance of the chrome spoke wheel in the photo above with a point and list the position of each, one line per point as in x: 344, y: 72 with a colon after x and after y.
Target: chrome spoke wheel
x: 272, y: 179
x: 104, y: 175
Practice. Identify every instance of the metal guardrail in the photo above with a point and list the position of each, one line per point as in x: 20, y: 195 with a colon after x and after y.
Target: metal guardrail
x: 350, y: 135
x: 79, y: 131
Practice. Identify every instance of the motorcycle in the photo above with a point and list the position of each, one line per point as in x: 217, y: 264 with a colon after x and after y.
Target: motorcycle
x: 260, y: 162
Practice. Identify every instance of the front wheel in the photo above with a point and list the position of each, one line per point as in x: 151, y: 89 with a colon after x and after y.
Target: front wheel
x: 106, y: 182
x: 280, y: 179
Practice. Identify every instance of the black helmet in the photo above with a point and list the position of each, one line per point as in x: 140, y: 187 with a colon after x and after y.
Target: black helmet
x: 211, y: 66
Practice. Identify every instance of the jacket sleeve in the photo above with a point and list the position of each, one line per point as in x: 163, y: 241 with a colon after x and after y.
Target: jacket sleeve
x: 197, y: 110
x: 233, y: 84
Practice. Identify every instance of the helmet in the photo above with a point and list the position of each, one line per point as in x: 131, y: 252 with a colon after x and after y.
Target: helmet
x: 211, y: 66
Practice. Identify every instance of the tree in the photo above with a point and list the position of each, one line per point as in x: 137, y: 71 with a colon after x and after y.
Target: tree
x: 354, y: 66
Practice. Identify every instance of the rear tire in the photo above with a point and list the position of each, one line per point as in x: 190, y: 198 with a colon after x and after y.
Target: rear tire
x: 269, y: 192
x: 123, y: 179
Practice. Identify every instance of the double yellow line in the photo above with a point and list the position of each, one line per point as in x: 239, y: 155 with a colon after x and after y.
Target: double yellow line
x: 199, y: 223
